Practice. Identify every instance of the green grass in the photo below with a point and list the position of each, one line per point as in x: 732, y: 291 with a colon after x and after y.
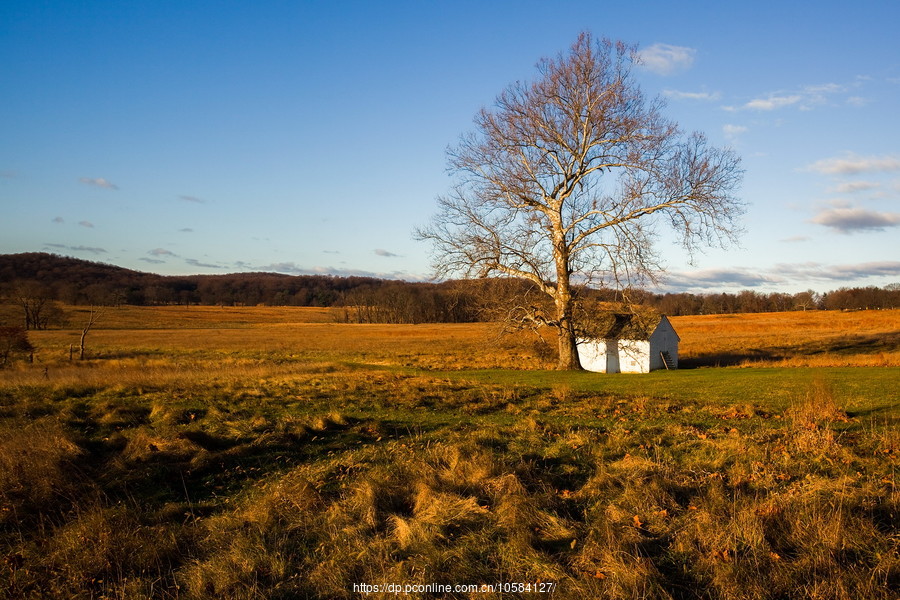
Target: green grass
x: 869, y: 390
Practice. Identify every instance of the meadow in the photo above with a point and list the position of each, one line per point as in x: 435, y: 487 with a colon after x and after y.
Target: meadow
x: 210, y: 452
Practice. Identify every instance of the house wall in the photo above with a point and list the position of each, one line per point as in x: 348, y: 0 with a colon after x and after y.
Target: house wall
x: 634, y: 356
x: 663, y: 339
x: 592, y: 354
x: 627, y: 356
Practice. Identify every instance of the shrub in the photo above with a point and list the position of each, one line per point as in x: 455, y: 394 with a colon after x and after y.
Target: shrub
x: 13, y: 341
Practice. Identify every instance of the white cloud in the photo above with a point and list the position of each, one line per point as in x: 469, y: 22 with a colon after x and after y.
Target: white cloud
x: 708, y: 96
x: 851, y: 187
x: 385, y: 253
x: 98, y: 182
x: 852, y: 164
x: 842, y: 273
x: 717, y: 278
x: 773, y: 102
x: 666, y: 59
x: 823, y: 89
x: 804, y: 98
x: 851, y: 220
x: 196, y: 263
x: 732, y: 131
x: 91, y: 249
x: 801, y: 275
x: 295, y: 269
x: 795, y: 239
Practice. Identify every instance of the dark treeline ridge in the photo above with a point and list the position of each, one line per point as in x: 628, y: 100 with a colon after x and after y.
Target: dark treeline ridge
x: 41, y: 277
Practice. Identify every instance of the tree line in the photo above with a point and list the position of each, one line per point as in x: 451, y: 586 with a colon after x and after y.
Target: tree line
x: 36, y: 283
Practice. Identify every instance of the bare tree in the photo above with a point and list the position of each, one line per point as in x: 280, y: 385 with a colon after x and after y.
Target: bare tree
x: 95, y: 314
x: 37, y: 304
x: 564, y: 180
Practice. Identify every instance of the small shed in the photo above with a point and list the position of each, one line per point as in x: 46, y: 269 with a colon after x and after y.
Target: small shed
x: 630, y: 343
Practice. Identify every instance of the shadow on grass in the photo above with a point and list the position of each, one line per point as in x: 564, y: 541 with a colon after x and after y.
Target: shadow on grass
x: 840, y: 345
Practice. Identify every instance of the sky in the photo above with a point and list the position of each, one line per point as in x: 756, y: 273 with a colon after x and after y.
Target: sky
x: 310, y: 137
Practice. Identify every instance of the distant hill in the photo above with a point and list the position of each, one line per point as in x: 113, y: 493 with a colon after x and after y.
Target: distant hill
x: 76, y: 281
x: 53, y: 269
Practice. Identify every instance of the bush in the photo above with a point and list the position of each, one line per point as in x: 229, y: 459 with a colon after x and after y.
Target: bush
x: 13, y: 341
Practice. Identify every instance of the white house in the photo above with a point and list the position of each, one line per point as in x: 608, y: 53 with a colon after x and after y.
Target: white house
x: 631, y: 343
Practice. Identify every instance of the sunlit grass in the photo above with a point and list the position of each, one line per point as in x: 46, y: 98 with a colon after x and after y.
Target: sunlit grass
x: 800, y: 338
x: 292, y: 460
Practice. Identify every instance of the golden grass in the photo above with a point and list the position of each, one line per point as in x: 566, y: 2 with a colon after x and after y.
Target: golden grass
x: 256, y: 458
x: 814, y: 339
x: 790, y: 339
x: 473, y: 345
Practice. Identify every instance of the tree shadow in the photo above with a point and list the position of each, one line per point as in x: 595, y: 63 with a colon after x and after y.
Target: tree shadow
x: 839, y: 345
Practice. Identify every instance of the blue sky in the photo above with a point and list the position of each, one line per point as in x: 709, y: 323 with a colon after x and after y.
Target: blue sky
x: 310, y: 137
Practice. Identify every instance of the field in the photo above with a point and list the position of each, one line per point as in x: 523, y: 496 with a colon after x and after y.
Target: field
x: 273, y: 453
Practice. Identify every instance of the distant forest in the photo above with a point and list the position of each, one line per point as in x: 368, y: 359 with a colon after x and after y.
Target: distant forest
x: 42, y: 278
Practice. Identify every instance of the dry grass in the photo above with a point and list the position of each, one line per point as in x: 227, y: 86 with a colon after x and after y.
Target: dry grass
x: 294, y: 460
x: 792, y: 339
x: 145, y: 335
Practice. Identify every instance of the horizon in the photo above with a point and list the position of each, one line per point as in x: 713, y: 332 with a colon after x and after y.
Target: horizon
x: 821, y: 292
x: 310, y: 139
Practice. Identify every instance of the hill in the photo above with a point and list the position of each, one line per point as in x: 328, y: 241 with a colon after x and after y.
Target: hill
x: 76, y: 281
x: 81, y: 282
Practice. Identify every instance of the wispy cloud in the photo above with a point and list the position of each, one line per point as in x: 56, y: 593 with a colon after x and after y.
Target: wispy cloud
x: 196, y: 263
x: 704, y: 96
x: 186, y: 230
x: 385, y: 253
x: 98, y: 182
x: 291, y: 268
x: 804, y: 98
x: 853, y: 220
x: 852, y: 164
x: 666, y: 59
x: 777, y: 276
x: 795, y: 239
x: 842, y: 273
x: 733, y: 131
x: 193, y: 199
x: 706, y: 279
x: 58, y: 220
x: 852, y: 187
x: 152, y: 261
x: 773, y: 102
x: 90, y: 249
x: 161, y: 252
x: 87, y: 224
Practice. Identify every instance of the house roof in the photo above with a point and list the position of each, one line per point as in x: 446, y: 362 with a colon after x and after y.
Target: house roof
x: 628, y: 326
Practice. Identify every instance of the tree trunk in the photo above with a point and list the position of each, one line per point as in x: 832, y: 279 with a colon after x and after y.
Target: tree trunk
x: 568, y: 348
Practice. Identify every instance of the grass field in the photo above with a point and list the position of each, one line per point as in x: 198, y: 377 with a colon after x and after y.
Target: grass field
x: 273, y: 453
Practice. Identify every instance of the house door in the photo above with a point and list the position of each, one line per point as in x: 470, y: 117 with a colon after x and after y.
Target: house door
x: 612, y: 356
